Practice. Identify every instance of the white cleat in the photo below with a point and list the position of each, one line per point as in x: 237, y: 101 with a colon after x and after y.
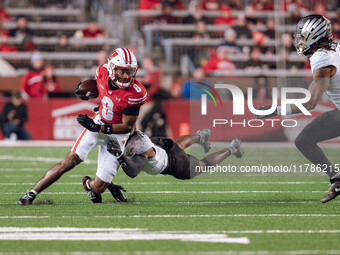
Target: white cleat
x: 204, y: 139
x: 235, y: 148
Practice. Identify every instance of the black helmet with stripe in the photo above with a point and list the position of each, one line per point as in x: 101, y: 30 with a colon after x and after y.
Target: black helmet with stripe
x: 310, y: 32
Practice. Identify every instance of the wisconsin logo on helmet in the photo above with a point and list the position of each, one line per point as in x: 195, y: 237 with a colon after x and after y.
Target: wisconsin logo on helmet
x: 122, y: 67
x: 310, y: 32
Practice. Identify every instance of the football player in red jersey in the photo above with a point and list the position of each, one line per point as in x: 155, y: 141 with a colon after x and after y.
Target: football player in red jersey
x: 121, y: 97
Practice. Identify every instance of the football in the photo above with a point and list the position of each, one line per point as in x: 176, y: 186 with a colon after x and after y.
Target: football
x: 89, y: 89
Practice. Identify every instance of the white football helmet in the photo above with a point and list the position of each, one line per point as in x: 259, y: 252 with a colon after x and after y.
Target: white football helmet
x: 310, y: 32
x: 122, y: 67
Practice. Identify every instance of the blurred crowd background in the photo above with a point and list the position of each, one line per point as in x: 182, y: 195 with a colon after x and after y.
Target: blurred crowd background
x: 47, y: 46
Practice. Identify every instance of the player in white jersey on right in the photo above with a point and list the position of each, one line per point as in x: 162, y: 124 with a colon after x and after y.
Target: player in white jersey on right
x: 313, y: 36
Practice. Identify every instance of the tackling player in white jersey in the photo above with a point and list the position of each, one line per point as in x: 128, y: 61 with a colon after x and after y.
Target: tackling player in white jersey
x: 161, y: 155
x: 313, y: 36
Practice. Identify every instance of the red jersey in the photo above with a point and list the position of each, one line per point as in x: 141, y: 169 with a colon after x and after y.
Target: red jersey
x: 218, y: 64
x: 113, y: 102
x: 32, y: 84
x: 8, y: 48
x: 92, y: 34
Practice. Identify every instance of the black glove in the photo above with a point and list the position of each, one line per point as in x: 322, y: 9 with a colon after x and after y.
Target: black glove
x: 114, y: 148
x: 116, y: 191
x: 88, y: 123
x: 79, y: 93
x: 265, y: 107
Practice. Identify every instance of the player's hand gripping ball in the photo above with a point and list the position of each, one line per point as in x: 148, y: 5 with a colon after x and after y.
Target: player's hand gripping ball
x: 87, y: 90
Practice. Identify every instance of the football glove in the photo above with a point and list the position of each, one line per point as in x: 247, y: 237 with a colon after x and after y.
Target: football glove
x: 116, y: 191
x: 265, y: 107
x: 88, y: 123
x: 79, y: 93
x: 114, y: 148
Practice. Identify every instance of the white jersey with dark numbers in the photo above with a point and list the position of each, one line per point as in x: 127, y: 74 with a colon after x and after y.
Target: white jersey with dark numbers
x: 322, y: 58
x: 140, y: 143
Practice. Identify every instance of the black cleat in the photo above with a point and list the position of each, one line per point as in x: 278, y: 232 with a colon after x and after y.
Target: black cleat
x: 27, y: 199
x: 94, y: 197
x: 333, y: 192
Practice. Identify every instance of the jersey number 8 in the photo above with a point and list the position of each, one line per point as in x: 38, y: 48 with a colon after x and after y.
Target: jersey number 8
x: 107, y: 111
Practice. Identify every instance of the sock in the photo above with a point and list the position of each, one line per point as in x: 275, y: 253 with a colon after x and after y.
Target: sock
x: 33, y: 192
x: 87, y: 185
x: 232, y: 149
x: 336, y: 177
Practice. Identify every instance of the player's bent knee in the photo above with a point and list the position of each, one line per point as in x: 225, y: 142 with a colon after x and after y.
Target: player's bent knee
x: 301, y: 141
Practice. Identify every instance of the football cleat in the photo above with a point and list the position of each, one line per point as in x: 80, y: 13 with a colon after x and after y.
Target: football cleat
x: 27, y: 199
x: 94, y: 197
x: 235, y: 148
x: 333, y: 192
x: 204, y: 139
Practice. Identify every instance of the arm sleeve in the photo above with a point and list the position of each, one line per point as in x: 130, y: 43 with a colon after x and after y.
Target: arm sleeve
x: 24, y: 84
x: 132, y: 167
x: 131, y: 111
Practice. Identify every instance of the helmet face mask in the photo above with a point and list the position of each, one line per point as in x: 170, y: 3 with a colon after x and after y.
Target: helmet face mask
x: 122, y: 67
x: 310, y: 32
x: 300, y: 44
x: 124, y: 75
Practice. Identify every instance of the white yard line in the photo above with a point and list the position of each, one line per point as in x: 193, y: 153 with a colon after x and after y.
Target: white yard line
x: 36, y: 143
x: 193, y: 202
x: 263, y: 252
x: 41, y: 159
x: 114, y: 234
x: 230, y: 252
x: 174, y: 216
x: 183, y: 192
x: 217, y: 215
x: 45, y: 143
x: 169, y: 183
x: 15, y: 176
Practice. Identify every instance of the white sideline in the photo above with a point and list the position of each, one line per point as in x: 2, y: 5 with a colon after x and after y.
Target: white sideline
x: 52, y: 143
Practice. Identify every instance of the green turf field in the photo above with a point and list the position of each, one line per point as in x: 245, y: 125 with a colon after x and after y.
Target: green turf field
x: 215, y: 214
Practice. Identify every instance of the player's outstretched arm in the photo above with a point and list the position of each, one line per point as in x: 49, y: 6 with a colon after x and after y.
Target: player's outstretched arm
x: 132, y: 167
x: 317, y: 88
